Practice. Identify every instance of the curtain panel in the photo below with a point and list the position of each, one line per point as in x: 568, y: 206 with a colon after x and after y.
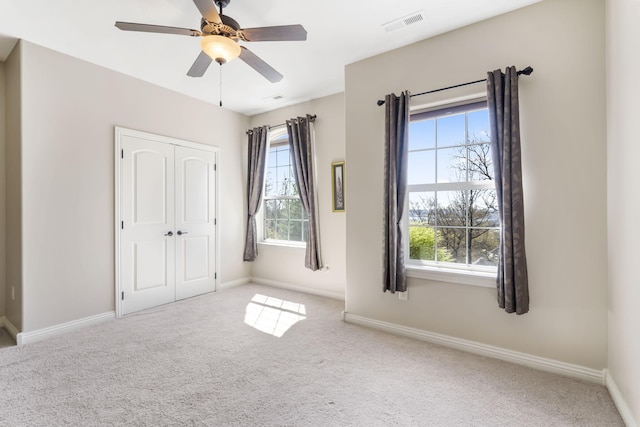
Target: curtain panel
x: 258, y: 141
x: 302, y: 146
x: 395, y: 190
x: 504, y: 116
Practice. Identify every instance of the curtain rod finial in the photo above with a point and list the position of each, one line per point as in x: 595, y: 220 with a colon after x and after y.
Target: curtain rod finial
x: 380, y: 102
x: 527, y: 71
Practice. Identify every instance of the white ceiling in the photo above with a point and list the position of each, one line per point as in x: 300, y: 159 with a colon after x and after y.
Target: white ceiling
x: 340, y: 32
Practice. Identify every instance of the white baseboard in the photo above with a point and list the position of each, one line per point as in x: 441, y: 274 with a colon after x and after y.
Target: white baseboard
x: 621, y: 403
x: 233, y: 283
x: 37, y: 335
x: 525, y: 359
x: 298, y: 288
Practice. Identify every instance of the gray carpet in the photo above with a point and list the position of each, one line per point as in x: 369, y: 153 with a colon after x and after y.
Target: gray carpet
x: 199, y: 362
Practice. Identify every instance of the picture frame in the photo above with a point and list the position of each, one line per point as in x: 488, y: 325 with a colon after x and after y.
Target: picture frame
x: 337, y: 186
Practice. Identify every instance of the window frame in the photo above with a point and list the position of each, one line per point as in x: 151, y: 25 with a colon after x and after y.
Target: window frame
x: 276, y: 134
x: 466, y: 274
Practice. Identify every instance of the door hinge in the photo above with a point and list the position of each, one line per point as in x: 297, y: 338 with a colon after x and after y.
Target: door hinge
x: 122, y: 296
x: 122, y: 225
x: 215, y: 275
x: 215, y: 221
x: 122, y: 154
x: 215, y: 167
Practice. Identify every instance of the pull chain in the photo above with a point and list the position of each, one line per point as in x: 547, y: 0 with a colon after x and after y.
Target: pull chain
x: 221, y: 61
x: 221, y: 84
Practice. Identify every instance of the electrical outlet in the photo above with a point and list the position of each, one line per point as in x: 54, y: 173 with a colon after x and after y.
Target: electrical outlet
x: 403, y: 296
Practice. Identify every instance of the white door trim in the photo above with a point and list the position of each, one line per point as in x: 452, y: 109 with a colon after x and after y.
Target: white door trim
x: 119, y: 134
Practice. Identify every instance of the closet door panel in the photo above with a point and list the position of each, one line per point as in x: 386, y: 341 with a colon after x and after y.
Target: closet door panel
x: 147, y: 244
x: 195, y: 221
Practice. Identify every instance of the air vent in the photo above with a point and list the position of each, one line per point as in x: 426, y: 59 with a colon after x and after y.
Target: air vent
x: 273, y: 98
x: 405, y: 21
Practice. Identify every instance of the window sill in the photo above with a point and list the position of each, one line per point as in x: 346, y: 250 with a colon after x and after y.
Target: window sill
x: 452, y: 275
x: 283, y: 244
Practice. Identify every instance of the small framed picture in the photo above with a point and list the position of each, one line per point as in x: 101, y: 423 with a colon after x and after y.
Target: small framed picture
x: 337, y: 185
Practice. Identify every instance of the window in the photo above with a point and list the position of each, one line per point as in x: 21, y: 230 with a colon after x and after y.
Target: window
x: 284, y: 218
x: 452, y: 207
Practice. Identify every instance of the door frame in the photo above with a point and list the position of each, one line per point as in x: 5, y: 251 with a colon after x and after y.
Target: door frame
x: 119, y: 134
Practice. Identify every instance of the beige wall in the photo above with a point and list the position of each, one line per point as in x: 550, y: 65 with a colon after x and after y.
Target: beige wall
x: 564, y: 152
x: 13, y: 191
x: 70, y: 108
x: 3, y: 274
x: 285, y: 265
x: 623, y: 87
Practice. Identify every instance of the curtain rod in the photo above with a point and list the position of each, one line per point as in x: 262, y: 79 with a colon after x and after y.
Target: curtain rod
x: 311, y: 118
x: 525, y: 71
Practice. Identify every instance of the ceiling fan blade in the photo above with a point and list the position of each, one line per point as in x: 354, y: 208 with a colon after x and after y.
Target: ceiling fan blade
x: 208, y: 10
x: 275, y: 34
x: 259, y: 65
x: 200, y: 65
x: 147, y: 28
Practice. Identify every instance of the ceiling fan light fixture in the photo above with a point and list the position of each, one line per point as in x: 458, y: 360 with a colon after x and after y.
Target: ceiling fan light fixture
x: 221, y: 49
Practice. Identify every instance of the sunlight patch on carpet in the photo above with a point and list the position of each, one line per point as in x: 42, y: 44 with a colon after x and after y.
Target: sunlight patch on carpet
x: 273, y: 316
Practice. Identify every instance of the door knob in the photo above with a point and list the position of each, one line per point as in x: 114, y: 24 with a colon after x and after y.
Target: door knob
x: 169, y: 234
x: 180, y: 233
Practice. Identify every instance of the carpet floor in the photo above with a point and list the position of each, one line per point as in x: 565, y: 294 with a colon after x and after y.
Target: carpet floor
x: 259, y: 356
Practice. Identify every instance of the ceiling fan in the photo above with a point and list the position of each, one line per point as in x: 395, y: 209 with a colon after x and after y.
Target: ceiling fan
x: 220, y: 35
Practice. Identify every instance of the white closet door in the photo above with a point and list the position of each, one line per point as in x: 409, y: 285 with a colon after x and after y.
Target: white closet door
x: 147, y: 239
x: 195, y: 221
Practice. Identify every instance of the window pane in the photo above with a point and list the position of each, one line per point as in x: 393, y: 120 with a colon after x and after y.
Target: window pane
x: 295, y: 230
x: 452, y: 164
x: 422, y: 134
x: 293, y: 187
x: 480, y: 162
x: 422, y: 243
x: 283, y: 155
x: 282, y: 230
x: 422, y: 208
x: 479, y: 129
x: 290, y: 187
x: 422, y: 167
x: 484, y: 246
x: 454, y: 242
x: 270, y: 229
x: 451, y: 130
x: 282, y: 180
x: 282, y: 209
x: 271, y: 160
x: 269, y: 209
x: 295, y: 209
x: 452, y: 208
x: 483, y: 208
x: 270, y: 188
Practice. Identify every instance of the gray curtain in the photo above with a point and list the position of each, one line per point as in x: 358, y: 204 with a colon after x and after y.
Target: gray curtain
x: 301, y: 145
x: 258, y: 144
x: 395, y: 190
x: 502, y: 99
